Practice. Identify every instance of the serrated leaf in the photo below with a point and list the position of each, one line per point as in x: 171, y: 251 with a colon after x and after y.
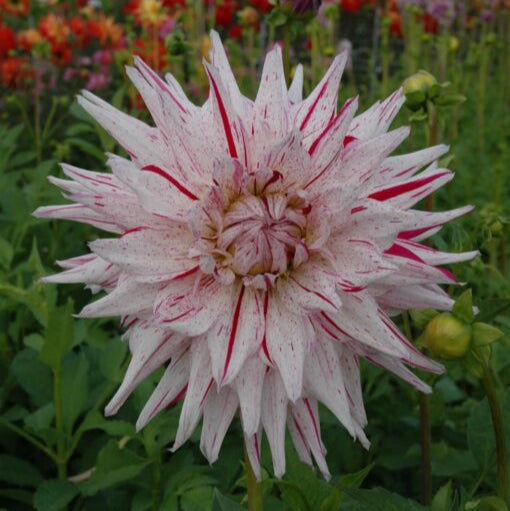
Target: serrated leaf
x: 54, y: 494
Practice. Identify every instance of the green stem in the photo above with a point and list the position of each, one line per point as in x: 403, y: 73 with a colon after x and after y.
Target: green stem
x: 156, y: 482
x: 286, y: 50
x: 253, y: 487
x: 497, y: 424
x: 425, y: 436
x: 28, y: 437
x: 432, y: 138
x: 426, y: 457
x: 47, y: 124
x: 385, y: 55
x: 37, y: 127
x: 59, y: 424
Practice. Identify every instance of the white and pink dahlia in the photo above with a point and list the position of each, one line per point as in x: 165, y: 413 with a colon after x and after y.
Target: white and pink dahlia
x: 261, y: 248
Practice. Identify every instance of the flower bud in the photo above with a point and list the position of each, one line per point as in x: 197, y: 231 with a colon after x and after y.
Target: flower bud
x: 447, y: 337
x: 453, y: 44
x: 420, y: 86
x: 248, y: 16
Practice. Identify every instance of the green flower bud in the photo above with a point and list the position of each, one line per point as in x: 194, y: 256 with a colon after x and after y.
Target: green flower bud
x: 419, y: 87
x: 447, y: 337
x: 496, y: 228
x: 453, y: 44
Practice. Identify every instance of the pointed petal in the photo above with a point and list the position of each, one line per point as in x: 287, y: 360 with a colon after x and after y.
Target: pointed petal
x: 172, y: 385
x: 129, y: 297
x: 219, y: 410
x: 274, y: 415
x: 248, y: 384
x: 296, y: 86
x: 151, y: 347
x: 237, y: 335
x: 252, y: 444
x: 199, y: 384
x: 286, y: 343
x: 306, y: 416
x: 316, y: 111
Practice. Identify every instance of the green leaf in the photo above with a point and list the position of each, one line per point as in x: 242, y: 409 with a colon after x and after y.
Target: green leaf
x: 114, y: 466
x: 450, y: 99
x: 87, y: 148
x: 18, y: 472
x: 33, y: 376
x: 16, y: 495
x: 443, y: 499
x: 54, y: 494
x: 277, y: 18
x: 6, y: 253
x: 41, y: 418
x: 378, y: 499
x: 480, y: 433
x: 95, y: 420
x: 34, y: 341
x: 222, y: 503
x: 491, y: 503
x: 354, y: 480
x: 301, y: 488
x: 32, y: 300
x: 199, y: 499
x: 489, y: 309
x: 75, y: 388
x: 463, y: 308
x: 59, y: 335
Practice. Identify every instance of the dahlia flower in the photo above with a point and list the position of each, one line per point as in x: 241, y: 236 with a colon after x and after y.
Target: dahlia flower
x: 259, y: 250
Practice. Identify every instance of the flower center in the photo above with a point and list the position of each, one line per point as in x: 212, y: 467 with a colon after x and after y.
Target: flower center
x: 260, y: 234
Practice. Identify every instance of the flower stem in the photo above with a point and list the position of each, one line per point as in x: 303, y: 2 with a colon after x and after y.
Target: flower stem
x: 497, y: 424
x: 425, y: 436
x: 426, y: 458
x: 61, y: 460
x: 253, y: 487
x: 432, y: 138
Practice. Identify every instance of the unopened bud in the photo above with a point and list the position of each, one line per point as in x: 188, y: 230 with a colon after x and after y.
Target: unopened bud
x: 453, y: 44
x: 447, y: 337
x: 420, y: 86
x: 248, y: 16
